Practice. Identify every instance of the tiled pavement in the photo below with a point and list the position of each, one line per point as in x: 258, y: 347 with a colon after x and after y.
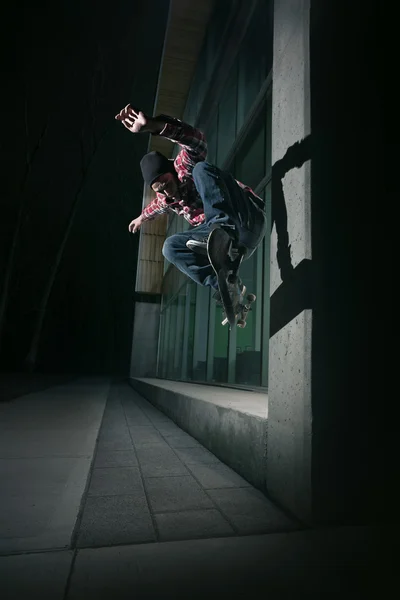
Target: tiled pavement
x: 152, y: 482
x: 161, y: 516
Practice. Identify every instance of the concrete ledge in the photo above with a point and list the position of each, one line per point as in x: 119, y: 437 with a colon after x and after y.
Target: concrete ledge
x: 231, y: 423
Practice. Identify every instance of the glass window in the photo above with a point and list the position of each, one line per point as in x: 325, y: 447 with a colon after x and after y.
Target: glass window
x: 221, y: 341
x: 194, y: 345
x: 248, y: 339
x: 227, y: 117
x: 255, y: 60
x: 192, y: 312
x: 179, y: 330
x: 268, y: 134
x: 200, y: 333
x: 171, y: 339
x: 266, y: 290
x: 250, y: 162
x: 215, y: 31
x: 161, y: 342
x: 211, y: 136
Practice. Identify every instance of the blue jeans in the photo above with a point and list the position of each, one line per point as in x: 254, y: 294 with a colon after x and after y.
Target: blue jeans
x: 225, y: 203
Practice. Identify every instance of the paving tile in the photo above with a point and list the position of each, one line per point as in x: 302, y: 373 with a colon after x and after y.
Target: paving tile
x: 159, y: 460
x: 113, y: 520
x: 196, y: 456
x: 113, y: 421
x: 182, y: 440
x: 250, y: 511
x: 217, y: 475
x: 112, y: 442
x: 109, y: 434
x: 142, y: 435
x: 176, y: 494
x: 156, y: 416
x: 119, y: 458
x: 167, y: 428
x: 135, y: 416
x: 115, y: 481
x: 192, y: 524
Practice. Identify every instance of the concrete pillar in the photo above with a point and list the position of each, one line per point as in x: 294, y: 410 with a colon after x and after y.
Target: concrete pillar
x: 325, y: 132
x: 289, y: 412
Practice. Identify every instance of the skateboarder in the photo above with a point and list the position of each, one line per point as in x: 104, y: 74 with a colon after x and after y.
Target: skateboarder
x: 207, y: 197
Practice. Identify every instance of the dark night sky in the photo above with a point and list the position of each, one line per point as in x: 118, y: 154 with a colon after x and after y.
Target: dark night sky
x: 71, y: 66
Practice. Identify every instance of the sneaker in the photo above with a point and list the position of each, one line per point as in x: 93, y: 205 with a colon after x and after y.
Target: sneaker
x: 198, y: 245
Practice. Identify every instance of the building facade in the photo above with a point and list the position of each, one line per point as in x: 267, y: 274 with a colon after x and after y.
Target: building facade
x: 276, y: 89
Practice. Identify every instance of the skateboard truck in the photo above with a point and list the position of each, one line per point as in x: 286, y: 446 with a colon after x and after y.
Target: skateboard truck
x: 243, y: 310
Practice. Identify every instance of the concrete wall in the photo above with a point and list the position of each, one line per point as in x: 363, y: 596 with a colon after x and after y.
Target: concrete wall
x: 145, y: 339
x: 289, y: 423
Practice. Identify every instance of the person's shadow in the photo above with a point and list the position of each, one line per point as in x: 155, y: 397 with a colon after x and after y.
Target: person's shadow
x: 294, y: 294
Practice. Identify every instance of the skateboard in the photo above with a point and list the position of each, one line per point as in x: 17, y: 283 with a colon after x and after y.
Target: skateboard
x: 226, y: 260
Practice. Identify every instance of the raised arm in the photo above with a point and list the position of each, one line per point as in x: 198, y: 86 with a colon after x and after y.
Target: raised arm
x: 191, y: 140
x: 137, y: 122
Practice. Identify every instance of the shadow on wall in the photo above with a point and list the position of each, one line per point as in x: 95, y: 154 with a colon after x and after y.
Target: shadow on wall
x: 294, y: 294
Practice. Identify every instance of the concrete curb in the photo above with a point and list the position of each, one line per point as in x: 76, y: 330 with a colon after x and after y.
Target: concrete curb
x: 226, y: 432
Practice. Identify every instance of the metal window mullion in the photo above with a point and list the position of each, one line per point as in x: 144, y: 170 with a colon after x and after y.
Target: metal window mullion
x: 259, y: 297
x: 266, y: 297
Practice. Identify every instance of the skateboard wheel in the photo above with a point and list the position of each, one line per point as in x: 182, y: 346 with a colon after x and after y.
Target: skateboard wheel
x: 241, y: 323
x: 251, y: 297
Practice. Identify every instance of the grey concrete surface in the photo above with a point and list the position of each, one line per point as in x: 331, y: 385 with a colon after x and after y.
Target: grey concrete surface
x: 38, y: 575
x: 308, y: 564
x: 13, y: 385
x: 221, y: 419
x: 47, y: 441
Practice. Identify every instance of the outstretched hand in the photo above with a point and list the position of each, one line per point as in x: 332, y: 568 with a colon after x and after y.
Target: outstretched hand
x: 134, y: 225
x: 133, y: 119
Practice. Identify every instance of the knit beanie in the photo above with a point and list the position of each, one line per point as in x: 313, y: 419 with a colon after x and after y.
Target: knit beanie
x: 155, y: 164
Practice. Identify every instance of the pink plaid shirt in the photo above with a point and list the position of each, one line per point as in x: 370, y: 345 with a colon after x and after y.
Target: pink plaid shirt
x: 194, y: 150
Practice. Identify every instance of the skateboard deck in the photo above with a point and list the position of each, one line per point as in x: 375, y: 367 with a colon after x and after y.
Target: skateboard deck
x: 226, y: 266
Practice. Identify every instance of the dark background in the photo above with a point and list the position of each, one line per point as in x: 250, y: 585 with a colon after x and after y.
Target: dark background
x: 67, y: 68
